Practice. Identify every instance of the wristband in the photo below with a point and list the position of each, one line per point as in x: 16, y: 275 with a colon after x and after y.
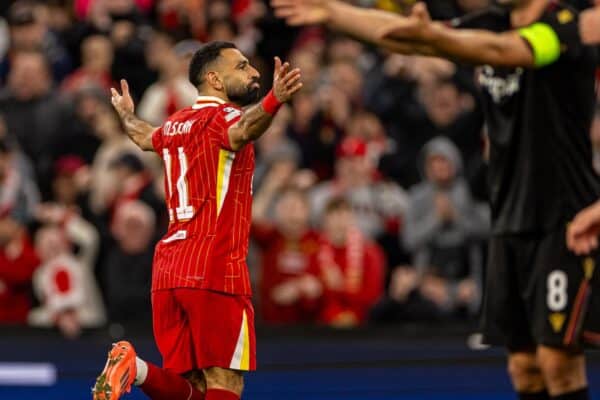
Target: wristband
x: 270, y: 103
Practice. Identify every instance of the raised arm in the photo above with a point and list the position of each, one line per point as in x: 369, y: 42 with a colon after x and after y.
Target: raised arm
x: 257, y: 118
x: 360, y: 23
x: 415, y: 34
x: 140, y: 132
x: 510, y: 49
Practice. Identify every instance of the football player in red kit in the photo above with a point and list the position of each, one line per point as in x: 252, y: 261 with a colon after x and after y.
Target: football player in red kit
x: 203, y: 318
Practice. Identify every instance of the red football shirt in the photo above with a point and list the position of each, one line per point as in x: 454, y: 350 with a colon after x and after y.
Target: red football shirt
x: 282, y: 260
x: 208, y: 190
x: 361, y: 264
x: 16, y: 271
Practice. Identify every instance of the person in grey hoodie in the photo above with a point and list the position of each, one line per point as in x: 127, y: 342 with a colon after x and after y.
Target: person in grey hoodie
x: 444, y: 228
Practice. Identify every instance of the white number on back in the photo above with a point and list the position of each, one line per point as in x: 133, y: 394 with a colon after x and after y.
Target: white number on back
x: 184, y: 209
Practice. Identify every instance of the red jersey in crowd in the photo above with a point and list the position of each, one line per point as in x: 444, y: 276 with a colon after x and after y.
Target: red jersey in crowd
x: 208, y: 191
x: 283, y: 260
x: 360, y: 264
x: 18, y: 260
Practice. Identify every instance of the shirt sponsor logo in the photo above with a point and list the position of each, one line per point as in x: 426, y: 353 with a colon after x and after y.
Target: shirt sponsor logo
x: 178, y: 127
x: 500, y: 87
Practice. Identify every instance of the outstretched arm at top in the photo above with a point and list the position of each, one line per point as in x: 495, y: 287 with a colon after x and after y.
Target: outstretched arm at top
x: 257, y: 118
x: 531, y: 46
x: 140, y: 132
x: 414, y: 34
x: 360, y: 23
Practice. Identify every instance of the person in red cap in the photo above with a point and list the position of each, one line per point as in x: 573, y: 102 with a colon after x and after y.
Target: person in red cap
x: 378, y: 204
x: 70, y: 180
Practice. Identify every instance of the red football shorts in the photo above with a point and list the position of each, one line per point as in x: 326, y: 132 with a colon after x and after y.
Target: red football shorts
x: 196, y: 329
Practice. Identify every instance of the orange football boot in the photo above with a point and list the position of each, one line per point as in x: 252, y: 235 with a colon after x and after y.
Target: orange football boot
x: 118, y: 374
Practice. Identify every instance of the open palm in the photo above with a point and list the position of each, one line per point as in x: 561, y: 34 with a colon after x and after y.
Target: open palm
x: 123, y: 102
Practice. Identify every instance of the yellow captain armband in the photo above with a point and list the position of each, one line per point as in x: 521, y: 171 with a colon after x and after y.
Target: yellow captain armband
x: 543, y: 41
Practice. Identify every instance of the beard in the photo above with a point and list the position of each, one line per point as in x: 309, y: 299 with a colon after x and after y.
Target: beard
x: 244, y: 95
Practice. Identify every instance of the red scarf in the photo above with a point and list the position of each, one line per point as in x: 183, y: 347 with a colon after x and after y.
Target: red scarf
x: 355, y: 250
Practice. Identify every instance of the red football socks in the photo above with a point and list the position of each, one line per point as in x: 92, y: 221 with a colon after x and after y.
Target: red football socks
x: 220, y: 394
x: 161, y: 384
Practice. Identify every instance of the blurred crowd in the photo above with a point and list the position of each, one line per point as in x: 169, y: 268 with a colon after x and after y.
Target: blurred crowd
x: 369, y: 192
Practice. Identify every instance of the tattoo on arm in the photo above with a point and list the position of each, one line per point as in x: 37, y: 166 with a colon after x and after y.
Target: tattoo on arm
x: 253, y: 123
x: 140, y: 132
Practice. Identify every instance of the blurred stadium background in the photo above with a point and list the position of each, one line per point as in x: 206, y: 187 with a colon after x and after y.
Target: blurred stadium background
x: 378, y: 300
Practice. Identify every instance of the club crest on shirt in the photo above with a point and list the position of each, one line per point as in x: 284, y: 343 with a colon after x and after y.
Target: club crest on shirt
x: 500, y: 85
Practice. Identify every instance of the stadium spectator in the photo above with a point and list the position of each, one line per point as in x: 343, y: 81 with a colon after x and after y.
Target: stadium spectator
x: 350, y: 266
x: 172, y: 91
x: 375, y: 203
x: 96, y: 63
x: 17, y: 158
x: 17, y: 263
x: 128, y: 264
x: 30, y: 32
x: 309, y: 65
x: 367, y: 127
x: 128, y: 28
x: 134, y: 182
x: 114, y: 143
x: 288, y: 291
x: 444, y: 227
x: 64, y: 283
x: 19, y: 195
x: 70, y: 182
x: 275, y: 148
x: 183, y: 19
x: 83, y: 8
x: 35, y: 116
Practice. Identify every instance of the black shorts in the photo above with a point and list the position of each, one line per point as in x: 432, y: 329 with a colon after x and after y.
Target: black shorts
x: 539, y: 293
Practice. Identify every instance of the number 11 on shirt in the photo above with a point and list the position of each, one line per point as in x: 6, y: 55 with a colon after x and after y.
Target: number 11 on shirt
x: 184, y: 210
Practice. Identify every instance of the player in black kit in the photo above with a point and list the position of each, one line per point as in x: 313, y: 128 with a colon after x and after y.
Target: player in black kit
x: 538, y: 83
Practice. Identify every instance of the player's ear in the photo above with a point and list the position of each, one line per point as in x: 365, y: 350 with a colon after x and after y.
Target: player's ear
x: 214, y: 80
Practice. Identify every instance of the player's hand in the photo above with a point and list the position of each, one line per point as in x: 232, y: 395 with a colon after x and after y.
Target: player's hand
x: 589, y: 26
x: 417, y: 26
x: 123, y: 102
x: 286, y: 82
x: 583, y: 231
x: 302, y: 12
